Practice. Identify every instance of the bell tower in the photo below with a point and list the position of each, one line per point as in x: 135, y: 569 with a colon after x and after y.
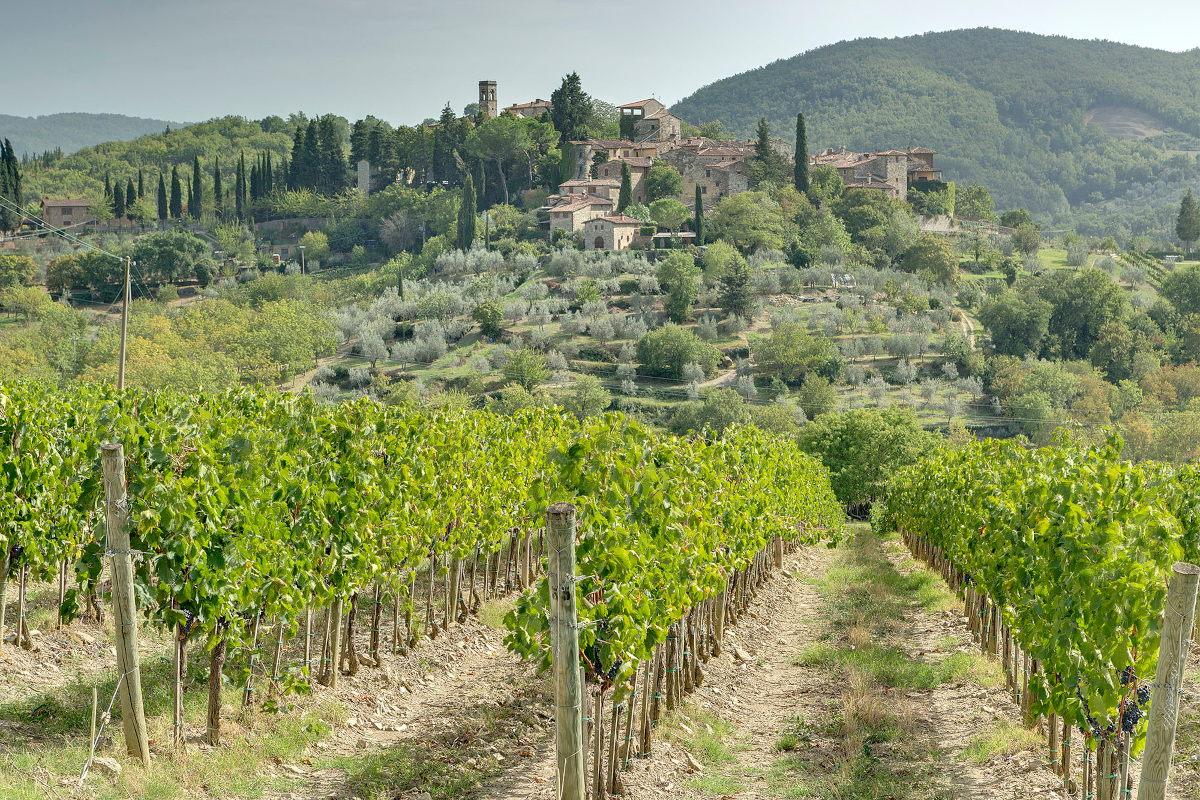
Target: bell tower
x: 487, y: 99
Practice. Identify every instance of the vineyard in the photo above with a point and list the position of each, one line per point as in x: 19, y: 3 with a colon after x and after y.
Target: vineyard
x: 256, y: 520
x: 1063, y: 555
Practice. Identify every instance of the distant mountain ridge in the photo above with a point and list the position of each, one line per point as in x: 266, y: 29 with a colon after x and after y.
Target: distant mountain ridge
x: 72, y: 131
x: 1013, y: 111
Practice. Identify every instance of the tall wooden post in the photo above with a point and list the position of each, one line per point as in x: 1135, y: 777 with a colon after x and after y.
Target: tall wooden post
x: 133, y: 715
x: 124, y: 328
x: 568, y: 694
x: 1178, y: 615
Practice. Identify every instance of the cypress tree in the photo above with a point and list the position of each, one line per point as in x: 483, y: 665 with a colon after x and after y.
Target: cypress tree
x: 10, y: 187
x: 801, y: 169
x: 239, y: 187
x: 141, y: 184
x: 118, y: 202
x: 190, y: 205
x: 164, y: 210
x: 467, y: 215
x: 1187, y: 224
x: 297, y: 159
x: 625, y: 198
x: 698, y: 222
x: 196, y: 198
x: 107, y: 188
x: 254, y: 182
x: 310, y: 171
x: 218, y: 195
x: 176, y: 194
x: 331, y: 174
x: 268, y: 177
x: 130, y: 195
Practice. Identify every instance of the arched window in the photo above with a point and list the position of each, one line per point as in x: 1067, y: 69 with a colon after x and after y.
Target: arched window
x: 599, y: 243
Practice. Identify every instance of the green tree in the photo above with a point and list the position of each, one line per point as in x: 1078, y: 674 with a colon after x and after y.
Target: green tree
x: 825, y: 186
x: 168, y: 256
x: 768, y: 165
x: 11, y: 191
x: 196, y: 200
x: 793, y: 355
x: 864, y: 448
x: 748, y: 220
x: 130, y: 198
x: 526, y: 368
x: 737, y: 295
x: 817, y: 396
x: 669, y: 213
x: 665, y: 351
x: 572, y: 109
x: 164, y: 210
x: 1187, y: 224
x: 1182, y: 288
x: 715, y: 413
x: 698, y: 218
x: 118, y: 202
x: 800, y: 169
x: 679, y: 273
x: 663, y: 180
x: 626, y: 195
x: 1016, y: 218
x: 587, y: 397
x: 932, y: 258
x: 331, y: 158
x: 1026, y: 239
x: 141, y: 187
x: 467, y: 217
x: 974, y: 202
x: 316, y: 245
x: 218, y: 192
x: 16, y: 269
x: 501, y: 140
x: 489, y: 314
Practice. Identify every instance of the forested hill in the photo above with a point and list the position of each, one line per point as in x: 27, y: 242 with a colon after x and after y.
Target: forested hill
x: 1007, y: 109
x: 69, y: 132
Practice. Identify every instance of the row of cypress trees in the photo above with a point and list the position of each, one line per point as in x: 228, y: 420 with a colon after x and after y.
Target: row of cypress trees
x: 10, y: 187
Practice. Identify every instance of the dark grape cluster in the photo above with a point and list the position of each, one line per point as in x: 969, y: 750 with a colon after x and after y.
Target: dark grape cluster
x: 1135, y: 707
x: 1126, y: 676
x: 613, y: 670
x: 1129, y: 720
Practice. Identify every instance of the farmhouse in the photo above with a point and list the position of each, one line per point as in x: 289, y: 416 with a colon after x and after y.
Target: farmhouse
x: 890, y: 171
x: 572, y: 212
x: 62, y: 213
x: 610, y: 233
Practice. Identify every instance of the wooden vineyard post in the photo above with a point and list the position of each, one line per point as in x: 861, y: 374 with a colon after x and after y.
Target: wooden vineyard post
x: 568, y: 692
x: 177, y: 737
x: 1053, y: 745
x: 133, y: 715
x: 4, y: 568
x: 778, y: 552
x: 335, y: 643
x: 216, y: 662
x: 376, y: 619
x: 1178, y: 617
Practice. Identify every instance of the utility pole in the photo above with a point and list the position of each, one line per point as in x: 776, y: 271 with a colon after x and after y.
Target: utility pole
x: 301, y: 249
x: 124, y: 327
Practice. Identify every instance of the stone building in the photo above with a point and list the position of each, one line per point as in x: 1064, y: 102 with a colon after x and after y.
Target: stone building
x: 651, y: 121
x: 639, y: 168
x: 533, y: 110
x: 609, y: 188
x: 63, y: 213
x: 572, y: 213
x: 610, y: 233
x: 488, y: 105
x: 890, y: 171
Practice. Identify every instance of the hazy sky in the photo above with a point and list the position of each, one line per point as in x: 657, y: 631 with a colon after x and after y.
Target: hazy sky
x: 402, y: 61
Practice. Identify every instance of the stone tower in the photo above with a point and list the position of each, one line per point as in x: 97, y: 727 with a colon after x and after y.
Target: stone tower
x: 487, y: 99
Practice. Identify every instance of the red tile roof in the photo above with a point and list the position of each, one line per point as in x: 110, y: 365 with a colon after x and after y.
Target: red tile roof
x: 638, y: 104
x: 60, y: 203
x: 621, y: 219
x: 583, y: 202
x: 923, y: 151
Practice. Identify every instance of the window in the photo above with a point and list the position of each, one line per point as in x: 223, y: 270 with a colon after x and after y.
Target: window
x: 599, y: 243
x: 66, y: 212
x: 703, y: 190
x: 708, y: 173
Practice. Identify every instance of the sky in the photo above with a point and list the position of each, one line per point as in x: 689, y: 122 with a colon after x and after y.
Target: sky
x: 403, y: 61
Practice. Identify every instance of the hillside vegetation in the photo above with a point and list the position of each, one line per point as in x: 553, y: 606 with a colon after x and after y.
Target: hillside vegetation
x: 1005, y: 109
x: 69, y: 132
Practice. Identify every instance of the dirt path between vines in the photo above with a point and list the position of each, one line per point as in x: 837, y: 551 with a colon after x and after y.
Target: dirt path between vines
x: 734, y: 724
